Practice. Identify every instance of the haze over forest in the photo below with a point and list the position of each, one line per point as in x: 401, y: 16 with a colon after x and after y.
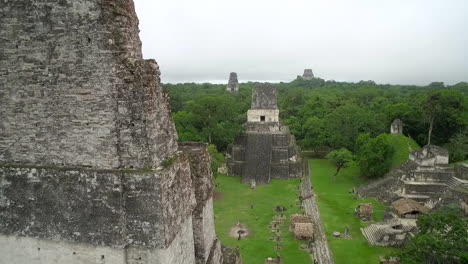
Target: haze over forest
x: 397, y: 42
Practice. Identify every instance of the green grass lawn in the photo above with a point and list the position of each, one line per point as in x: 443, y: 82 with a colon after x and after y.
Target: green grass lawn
x: 234, y: 205
x: 336, y: 207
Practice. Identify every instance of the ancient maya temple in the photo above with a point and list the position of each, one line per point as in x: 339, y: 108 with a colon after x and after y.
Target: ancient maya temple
x: 90, y: 167
x: 308, y: 74
x: 267, y: 150
x: 233, y: 83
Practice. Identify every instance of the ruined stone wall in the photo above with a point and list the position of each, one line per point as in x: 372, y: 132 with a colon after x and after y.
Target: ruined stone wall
x: 75, y: 90
x: 106, y: 208
x: 203, y: 215
x: 26, y: 250
x: 461, y: 171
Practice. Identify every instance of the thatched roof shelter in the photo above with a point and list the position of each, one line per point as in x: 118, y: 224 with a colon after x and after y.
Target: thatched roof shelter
x: 365, y: 209
x: 304, y: 231
x: 297, y: 218
x: 407, y: 206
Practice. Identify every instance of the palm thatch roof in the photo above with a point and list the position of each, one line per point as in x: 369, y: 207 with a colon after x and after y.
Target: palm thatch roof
x: 304, y: 230
x: 365, y: 209
x: 297, y: 218
x: 405, y: 206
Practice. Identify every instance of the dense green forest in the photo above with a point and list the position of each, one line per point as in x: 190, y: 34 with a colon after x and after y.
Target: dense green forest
x: 330, y: 115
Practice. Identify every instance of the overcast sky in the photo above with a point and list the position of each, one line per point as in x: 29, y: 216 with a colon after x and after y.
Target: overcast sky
x: 388, y: 41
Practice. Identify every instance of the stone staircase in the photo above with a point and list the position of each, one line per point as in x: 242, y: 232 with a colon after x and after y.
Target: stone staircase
x: 454, y: 182
x: 373, y: 233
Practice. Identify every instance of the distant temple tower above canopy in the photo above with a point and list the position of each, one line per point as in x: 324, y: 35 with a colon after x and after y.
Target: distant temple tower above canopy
x: 233, y: 84
x: 308, y: 74
x: 267, y: 149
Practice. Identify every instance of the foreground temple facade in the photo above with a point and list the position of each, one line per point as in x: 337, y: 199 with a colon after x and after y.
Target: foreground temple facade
x: 267, y: 150
x: 90, y: 167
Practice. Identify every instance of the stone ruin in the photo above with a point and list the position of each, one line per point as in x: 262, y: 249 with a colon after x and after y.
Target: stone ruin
x: 390, y: 233
x: 396, y: 127
x: 233, y: 84
x: 426, y: 178
x: 267, y: 150
x: 308, y: 74
x: 90, y: 167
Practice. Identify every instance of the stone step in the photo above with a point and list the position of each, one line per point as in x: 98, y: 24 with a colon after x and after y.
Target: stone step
x: 416, y: 197
x: 454, y: 182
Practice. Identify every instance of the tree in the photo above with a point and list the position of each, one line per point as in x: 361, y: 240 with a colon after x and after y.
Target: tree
x: 217, y: 159
x: 448, y: 111
x: 442, y: 239
x: 345, y: 123
x: 374, y: 155
x: 342, y: 158
x: 458, y: 146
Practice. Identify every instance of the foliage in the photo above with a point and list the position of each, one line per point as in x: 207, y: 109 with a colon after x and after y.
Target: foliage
x: 402, y: 146
x: 327, y: 114
x: 342, y: 158
x: 448, y: 111
x: 234, y: 204
x: 336, y: 204
x: 443, y: 238
x: 458, y: 146
x: 374, y: 155
x: 217, y: 159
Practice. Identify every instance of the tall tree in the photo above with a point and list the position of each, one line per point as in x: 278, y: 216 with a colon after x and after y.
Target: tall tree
x: 342, y: 158
x: 442, y: 239
x: 374, y: 155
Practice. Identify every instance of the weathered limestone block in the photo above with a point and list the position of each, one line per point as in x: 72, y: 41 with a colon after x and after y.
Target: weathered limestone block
x: 75, y: 90
x: 430, y: 155
x: 106, y: 208
x: 203, y: 216
x: 26, y: 250
x: 231, y: 255
x: 461, y: 171
x: 233, y: 83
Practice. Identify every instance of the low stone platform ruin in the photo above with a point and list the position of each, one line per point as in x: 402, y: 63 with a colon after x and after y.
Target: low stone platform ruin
x: 426, y: 177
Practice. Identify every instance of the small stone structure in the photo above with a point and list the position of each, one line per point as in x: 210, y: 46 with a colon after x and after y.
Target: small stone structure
x: 396, y: 127
x: 391, y: 233
x: 304, y: 231
x: 430, y: 155
x: 308, y: 74
x: 365, y: 211
x: 233, y: 83
x: 407, y: 208
x: 267, y: 150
